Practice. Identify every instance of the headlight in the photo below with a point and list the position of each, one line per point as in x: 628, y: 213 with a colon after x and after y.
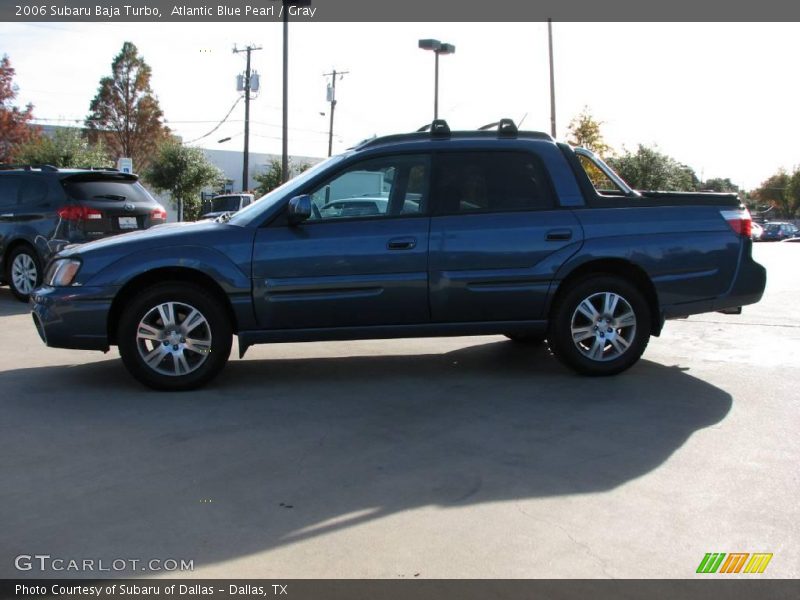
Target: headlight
x: 62, y: 272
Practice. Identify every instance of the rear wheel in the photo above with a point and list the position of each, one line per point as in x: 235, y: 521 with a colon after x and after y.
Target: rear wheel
x: 600, y: 325
x: 23, y: 272
x: 174, y: 336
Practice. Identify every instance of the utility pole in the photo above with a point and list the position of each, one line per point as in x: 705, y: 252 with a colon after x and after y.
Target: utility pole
x: 552, y: 80
x: 246, y: 159
x: 285, y: 128
x: 332, y: 100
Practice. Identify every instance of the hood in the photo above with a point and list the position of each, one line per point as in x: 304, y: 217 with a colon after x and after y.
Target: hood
x: 166, y: 234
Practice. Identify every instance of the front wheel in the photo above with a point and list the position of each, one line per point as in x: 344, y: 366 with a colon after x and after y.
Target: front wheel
x: 174, y: 336
x: 600, y: 325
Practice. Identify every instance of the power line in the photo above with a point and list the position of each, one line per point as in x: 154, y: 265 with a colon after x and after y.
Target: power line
x: 225, y: 118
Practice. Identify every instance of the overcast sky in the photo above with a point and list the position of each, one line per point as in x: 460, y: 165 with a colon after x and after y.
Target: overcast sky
x: 721, y: 98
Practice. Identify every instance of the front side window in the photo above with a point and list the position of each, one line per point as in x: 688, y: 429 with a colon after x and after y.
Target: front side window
x: 467, y: 182
x: 379, y: 187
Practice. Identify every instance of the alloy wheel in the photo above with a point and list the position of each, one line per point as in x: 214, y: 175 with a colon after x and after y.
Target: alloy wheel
x: 24, y: 273
x: 173, y: 338
x: 603, y: 326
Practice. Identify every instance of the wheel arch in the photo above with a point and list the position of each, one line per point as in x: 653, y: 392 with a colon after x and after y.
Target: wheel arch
x: 165, y: 275
x: 617, y: 267
x: 13, y: 245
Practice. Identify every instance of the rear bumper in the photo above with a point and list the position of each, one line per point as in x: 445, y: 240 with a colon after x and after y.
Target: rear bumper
x: 72, y: 317
x: 747, y: 288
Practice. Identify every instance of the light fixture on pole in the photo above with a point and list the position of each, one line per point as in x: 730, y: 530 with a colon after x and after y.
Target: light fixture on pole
x: 438, y: 48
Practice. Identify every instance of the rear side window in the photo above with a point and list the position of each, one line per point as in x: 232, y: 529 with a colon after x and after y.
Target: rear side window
x: 107, y: 189
x: 33, y: 191
x: 467, y: 182
x: 9, y: 190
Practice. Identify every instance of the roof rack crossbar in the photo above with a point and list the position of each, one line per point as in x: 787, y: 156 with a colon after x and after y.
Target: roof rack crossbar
x: 505, y: 128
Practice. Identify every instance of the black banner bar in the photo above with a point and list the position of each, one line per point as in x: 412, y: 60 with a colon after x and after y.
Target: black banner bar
x: 405, y: 11
x: 319, y: 589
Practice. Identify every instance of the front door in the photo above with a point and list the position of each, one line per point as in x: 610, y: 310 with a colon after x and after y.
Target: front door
x: 362, y: 257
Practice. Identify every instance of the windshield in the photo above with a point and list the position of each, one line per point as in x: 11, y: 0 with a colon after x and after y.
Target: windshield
x: 244, y: 216
x: 225, y: 203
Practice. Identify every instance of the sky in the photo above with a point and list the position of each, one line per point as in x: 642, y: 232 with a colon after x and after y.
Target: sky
x: 720, y: 97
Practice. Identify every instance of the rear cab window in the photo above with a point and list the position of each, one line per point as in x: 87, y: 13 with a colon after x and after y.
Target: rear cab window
x: 476, y: 181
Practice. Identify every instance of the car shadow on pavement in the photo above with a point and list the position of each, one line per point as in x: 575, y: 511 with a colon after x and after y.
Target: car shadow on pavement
x: 9, y: 305
x: 278, y: 451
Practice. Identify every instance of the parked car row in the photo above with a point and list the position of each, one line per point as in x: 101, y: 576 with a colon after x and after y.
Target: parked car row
x: 43, y: 209
x: 774, y: 231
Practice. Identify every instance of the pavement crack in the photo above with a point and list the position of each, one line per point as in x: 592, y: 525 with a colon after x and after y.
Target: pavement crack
x: 586, y: 548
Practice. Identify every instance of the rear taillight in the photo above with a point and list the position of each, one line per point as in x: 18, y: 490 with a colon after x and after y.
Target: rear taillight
x: 76, y: 212
x: 158, y: 214
x: 739, y: 220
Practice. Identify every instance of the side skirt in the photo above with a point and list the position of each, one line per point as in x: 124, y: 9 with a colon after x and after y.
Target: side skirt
x: 273, y: 336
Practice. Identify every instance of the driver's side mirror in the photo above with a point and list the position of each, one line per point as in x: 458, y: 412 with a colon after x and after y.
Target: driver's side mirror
x: 299, y: 209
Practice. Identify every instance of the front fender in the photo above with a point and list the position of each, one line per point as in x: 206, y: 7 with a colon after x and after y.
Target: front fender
x: 230, y: 273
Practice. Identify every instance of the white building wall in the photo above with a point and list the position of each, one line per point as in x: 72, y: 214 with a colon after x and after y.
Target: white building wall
x: 230, y: 163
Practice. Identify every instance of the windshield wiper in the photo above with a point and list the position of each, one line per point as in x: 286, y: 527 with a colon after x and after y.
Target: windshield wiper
x: 110, y: 196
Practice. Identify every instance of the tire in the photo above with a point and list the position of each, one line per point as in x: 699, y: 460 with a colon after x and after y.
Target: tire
x: 176, y: 360
x: 526, y: 338
x: 23, y: 272
x: 595, y: 334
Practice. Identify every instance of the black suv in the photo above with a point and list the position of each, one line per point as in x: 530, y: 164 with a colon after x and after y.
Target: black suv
x: 43, y: 208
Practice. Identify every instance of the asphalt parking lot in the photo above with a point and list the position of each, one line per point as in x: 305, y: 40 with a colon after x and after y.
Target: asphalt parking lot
x: 438, y: 458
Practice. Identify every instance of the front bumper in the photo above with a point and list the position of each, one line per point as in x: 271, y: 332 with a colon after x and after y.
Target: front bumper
x: 72, y: 317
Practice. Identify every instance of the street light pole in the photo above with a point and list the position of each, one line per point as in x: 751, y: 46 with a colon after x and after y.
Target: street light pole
x: 436, y: 88
x: 438, y: 48
x: 552, y: 80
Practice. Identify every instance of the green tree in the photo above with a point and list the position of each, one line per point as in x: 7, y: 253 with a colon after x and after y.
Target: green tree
x: 183, y: 172
x: 718, y: 184
x: 584, y: 131
x: 649, y: 169
x: 273, y: 175
x: 66, y: 148
x: 15, y: 128
x: 125, y: 113
x: 792, y: 195
x: 775, y: 192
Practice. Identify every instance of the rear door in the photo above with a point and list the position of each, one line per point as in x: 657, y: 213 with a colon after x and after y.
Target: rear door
x: 361, y: 259
x: 497, y: 236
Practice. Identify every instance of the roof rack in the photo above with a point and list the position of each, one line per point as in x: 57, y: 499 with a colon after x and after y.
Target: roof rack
x: 505, y: 128
x: 439, y: 129
x: 27, y: 167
